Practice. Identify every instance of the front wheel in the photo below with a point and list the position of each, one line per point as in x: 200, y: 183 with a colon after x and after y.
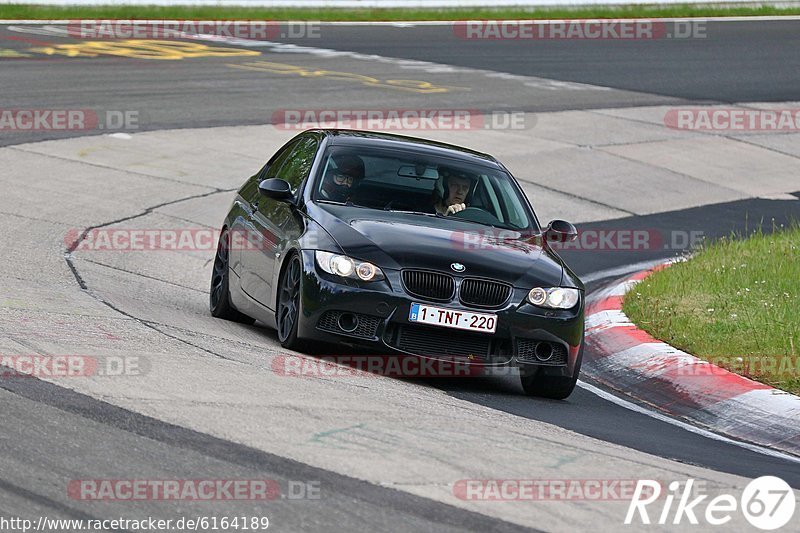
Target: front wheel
x: 219, y: 298
x: 288, y: 313
x: 553, y: 387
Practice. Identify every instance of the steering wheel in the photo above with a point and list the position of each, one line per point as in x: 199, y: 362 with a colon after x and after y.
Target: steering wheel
x: 476, y: 214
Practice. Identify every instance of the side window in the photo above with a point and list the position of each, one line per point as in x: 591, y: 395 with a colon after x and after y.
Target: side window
x: 492, y: 205
x: 271, y: 169
x: 249, y: 190
x: 297, y: 166
x: 512, y: 205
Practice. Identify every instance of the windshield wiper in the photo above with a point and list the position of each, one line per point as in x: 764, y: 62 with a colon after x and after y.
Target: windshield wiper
x: 346, y: 204
x: 450, y: 217
x: 411, y: 212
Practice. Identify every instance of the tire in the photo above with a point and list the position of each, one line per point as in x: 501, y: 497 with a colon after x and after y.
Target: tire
x: 552, y: 387
x: 219, y: 295
x: 287, y: 314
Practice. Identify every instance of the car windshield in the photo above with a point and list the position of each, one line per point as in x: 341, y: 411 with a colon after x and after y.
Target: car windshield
x: 420, y: 183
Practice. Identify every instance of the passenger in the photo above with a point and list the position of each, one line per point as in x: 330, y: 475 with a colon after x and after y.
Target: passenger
x: 452, y: 190
x: 339, y: 183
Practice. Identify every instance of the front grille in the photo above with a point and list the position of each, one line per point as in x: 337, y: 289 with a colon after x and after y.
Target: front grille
x: 366, y: 329
x: 526, y: 352
x: 429, y: 285
x: 443, y: 343
x: 484, y: 293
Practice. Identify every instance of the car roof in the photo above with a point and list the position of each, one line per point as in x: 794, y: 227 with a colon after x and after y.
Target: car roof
x: 392, y: 141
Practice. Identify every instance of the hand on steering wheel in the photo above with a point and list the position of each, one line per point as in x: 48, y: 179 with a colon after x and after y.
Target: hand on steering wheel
x: 455, y: 208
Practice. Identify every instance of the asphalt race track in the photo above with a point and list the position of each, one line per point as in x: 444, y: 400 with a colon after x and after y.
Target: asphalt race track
x: 385, y: 454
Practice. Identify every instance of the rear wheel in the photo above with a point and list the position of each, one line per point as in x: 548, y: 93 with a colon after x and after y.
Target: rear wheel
x: 553, y: 387
x: 219, y: 300
x: 288, y: 313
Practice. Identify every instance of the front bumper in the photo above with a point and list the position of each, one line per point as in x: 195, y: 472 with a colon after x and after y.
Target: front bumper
x: 382, y: 324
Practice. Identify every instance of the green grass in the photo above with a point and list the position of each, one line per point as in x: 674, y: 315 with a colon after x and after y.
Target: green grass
x: 27, y: 11
x: 737, y: 298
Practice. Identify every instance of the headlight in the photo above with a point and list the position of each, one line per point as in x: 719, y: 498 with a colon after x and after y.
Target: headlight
x: 554, y: 297
x: 347, y: 267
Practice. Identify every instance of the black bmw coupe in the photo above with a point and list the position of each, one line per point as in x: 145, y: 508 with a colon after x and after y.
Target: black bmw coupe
x: 397, y: 245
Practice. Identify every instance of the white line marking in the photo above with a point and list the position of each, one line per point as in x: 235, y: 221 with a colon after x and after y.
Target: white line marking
x: 620, y: 271
x: 683, y: 425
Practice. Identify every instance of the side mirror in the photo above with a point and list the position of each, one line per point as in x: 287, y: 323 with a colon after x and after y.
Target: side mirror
x: 560, y: 231
x: 276, y: 188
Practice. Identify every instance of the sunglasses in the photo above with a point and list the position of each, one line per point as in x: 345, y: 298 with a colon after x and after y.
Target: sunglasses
x: 343, y: 179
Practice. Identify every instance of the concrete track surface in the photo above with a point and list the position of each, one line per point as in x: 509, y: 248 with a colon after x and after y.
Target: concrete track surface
x: 386, y: 454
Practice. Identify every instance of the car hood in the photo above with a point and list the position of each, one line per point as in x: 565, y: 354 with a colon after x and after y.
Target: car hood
x: 397, y: 240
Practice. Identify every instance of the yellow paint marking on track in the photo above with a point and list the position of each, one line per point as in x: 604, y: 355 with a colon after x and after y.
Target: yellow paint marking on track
x: 417, y: 86
x: 7, y: 52
x: 143, y: 49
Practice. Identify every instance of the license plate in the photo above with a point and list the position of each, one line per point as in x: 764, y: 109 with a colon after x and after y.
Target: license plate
x: 452, y: 318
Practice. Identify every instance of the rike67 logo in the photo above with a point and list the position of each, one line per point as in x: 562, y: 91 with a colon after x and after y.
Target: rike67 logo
x: 767, y: 503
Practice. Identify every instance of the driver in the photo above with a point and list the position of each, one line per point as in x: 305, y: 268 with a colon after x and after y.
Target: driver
x: 340, y: 182
x: 452, y: 191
